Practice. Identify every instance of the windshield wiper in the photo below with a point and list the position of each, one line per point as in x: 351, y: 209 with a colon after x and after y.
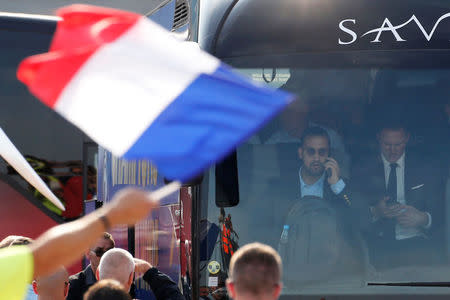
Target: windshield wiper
x: 424, y: 284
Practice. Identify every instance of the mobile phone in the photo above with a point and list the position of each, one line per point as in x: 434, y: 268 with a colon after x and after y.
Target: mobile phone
x: 391, y: 201
x: 328, y: 171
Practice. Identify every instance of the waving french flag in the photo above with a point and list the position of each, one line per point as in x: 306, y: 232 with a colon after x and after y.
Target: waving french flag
x: 140, y: 93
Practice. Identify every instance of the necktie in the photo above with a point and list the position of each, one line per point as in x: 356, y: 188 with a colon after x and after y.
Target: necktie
x: 392, y: 183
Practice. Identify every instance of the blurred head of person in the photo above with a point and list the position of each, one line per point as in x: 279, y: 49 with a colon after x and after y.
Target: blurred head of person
x: 94, y: 253
x: 108, y: 289
x: 255, y: 273
x: 18, y: 240
x: 15, y: 240
x: 117, y: 264
x: 52, y: 287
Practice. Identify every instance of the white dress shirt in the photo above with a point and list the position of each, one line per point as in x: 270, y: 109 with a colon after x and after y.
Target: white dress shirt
x: 401, y: 232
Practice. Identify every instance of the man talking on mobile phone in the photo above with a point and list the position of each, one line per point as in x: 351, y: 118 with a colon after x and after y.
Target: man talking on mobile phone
x: 320, y: 175
x: 317, y: 237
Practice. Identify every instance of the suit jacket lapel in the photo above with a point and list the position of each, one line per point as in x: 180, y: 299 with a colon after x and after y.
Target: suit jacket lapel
x: 376, y: 179
x: 380, y: 171
x: 411, y: 179
x: 407, y: 180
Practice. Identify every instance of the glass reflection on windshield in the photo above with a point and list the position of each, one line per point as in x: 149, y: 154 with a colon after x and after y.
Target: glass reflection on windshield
x: 349, y: 183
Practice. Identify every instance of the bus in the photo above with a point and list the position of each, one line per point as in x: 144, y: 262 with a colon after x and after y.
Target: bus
x: 362, y: 71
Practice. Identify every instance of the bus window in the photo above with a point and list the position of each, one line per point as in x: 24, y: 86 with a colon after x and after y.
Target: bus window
x: 355, y: 225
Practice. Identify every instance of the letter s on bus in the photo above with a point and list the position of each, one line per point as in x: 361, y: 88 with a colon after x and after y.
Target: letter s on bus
x: 347, y: 30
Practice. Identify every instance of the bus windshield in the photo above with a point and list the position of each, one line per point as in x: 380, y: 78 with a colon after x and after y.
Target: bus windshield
x: 350, y: 183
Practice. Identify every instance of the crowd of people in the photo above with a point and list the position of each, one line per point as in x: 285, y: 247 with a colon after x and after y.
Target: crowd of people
x: 63, y: 244
x: 37, y: 266
x: 106, y: 263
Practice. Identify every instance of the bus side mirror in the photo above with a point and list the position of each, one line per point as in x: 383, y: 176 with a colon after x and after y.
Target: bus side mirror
x: 227, y: 183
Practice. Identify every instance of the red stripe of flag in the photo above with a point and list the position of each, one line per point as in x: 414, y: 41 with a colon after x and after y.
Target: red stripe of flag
x: 82, y: 30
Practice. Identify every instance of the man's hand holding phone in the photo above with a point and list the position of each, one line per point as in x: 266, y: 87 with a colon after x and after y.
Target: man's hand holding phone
x: 332, y: 170
x: 387, y: 209
x: 406, y: 215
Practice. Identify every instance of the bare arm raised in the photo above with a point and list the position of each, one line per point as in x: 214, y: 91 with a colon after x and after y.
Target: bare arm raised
x: 63, y: 244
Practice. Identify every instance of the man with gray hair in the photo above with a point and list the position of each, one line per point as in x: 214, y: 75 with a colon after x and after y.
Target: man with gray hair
x: 118, y: 264
x: 255, y: 273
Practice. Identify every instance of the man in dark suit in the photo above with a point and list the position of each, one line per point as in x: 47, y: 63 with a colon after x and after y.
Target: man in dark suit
x: 405, y: 200
x: 318, y: 238
x: 80, y: 282
x: 317, y: 174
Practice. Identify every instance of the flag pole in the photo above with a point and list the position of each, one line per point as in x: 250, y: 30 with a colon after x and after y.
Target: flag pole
x: 165, y: 190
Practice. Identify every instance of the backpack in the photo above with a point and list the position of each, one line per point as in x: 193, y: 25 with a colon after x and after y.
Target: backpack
x: 314, y: 245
